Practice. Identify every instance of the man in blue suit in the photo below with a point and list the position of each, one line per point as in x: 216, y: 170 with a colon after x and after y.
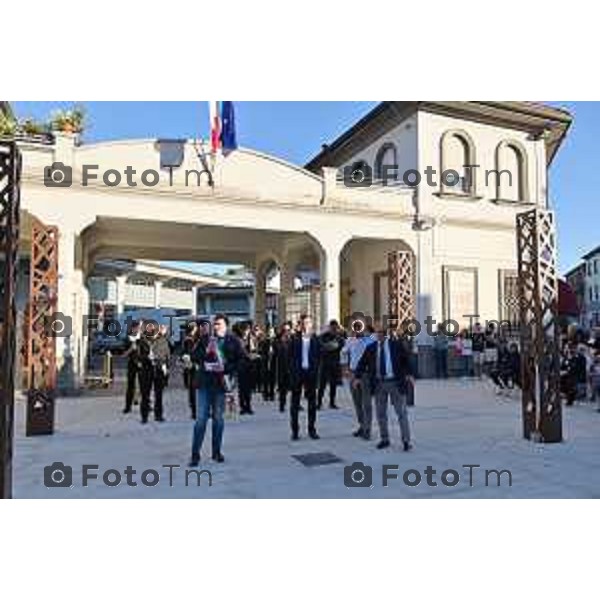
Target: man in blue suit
x: 304, y: 372
x: 387, y: 367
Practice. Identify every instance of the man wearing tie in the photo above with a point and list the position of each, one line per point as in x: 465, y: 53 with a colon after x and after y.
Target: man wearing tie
x: 304, y: 371
x: 386, y: 364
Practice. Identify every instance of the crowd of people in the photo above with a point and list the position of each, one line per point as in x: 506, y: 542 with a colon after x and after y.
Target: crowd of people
x: 284, y: 366
x: 580, y: 369
x: 479, y: 352
x: 493, y: 353
x: 295, y: 363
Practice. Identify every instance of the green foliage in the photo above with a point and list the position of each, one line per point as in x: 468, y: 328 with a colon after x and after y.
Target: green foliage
x: 8, y: 126
x: 72, y: 120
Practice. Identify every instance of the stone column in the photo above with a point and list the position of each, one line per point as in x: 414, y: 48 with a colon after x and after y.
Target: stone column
x: 194, y: 300
x: 425, y: 305
x: 120, y: 299
x: 286, y: 288
x: 72, y: 302
x: 157, y: 290
x: 260, y: 295
x: 330, y: 280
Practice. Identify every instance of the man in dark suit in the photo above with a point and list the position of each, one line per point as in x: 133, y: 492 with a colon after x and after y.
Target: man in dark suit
x: 304, y: 371
x: 217, y: 358
x: 282, y: 363
x: 331, y: 343
x: 386, y: 364
x: 134, y: 365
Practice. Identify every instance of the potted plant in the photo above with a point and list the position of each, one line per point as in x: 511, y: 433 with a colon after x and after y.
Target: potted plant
x: 31, y: 127
x: 69, y: 121
x: 8, y: 126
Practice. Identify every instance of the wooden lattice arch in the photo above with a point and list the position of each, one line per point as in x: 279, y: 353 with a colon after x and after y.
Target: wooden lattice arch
x: 43, y: 296
x: 538, y: 300
x: 401, y: 297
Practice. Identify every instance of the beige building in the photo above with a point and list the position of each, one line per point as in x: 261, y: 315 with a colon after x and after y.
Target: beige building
x: 261, y: 211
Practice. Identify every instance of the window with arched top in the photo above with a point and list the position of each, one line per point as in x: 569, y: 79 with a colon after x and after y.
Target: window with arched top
x: 387, y: 156
x: 457, y: 152
x: 511, y: 172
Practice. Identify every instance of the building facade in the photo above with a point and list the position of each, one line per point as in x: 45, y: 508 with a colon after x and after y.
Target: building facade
x: 264, y: 213
x: 584, y: 280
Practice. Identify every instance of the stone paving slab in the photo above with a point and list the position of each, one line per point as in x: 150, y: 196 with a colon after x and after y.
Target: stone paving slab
x: 454, y: 423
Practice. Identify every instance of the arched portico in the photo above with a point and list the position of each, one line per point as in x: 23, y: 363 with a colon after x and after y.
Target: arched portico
x: 364, y: 272
x: 261, y: 211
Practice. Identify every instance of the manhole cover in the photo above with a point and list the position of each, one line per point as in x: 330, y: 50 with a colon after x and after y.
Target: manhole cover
x: 316, y: 459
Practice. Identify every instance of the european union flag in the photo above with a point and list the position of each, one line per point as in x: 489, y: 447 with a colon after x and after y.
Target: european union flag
x: 228, y: 139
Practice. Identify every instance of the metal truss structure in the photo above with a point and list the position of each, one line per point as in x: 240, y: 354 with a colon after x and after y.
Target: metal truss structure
x: 401, y: 297
x: 538, y: 307
x: 10, y: 171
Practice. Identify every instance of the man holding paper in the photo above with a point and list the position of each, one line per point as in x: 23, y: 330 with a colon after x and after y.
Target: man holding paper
x: 217, y: 357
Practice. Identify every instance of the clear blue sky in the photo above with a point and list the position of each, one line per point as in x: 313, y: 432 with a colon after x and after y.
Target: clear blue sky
x: 295, y: 131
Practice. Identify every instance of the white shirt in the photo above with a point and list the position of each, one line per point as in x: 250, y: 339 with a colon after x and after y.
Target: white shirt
x: 354, y: 349
x: 305, y: 352
x: 389, y: 370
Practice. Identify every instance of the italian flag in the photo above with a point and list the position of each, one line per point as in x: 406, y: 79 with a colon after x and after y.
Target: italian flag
x: 215, y: 125
x: 222, y: 126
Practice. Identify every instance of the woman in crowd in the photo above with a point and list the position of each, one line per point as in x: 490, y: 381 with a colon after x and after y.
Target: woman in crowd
x: 246, y: 368
x: 188, y: 345
x: 266, y: 349
x: 282, y: 363
x: 507, y: 373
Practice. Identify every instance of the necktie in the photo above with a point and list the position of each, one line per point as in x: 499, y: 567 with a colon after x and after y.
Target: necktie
x: 382, y: 370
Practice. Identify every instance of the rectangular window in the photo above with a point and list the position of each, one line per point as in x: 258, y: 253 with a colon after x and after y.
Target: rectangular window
x: 591, y: 294
x: 459, y: 293
x: 508, y: 296
x: 595, y: 267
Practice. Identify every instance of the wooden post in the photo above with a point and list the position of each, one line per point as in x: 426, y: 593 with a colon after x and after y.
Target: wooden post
x: 10, y: 172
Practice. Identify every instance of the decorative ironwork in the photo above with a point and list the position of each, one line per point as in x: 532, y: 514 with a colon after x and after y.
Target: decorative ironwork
x: 401, y: 298
x: 10, y: 172
x: 538, y: 293
x: 43, y: 296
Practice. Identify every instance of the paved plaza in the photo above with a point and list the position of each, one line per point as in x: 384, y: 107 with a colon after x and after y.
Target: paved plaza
x: 455, y: 423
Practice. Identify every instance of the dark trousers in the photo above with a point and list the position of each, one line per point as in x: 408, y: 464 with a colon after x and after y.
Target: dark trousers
x: 152, y: 378
x: 283, y: 387
x: 328, y: 375
x: 188, y: 380
x: 269, y: 376
x: 441, y: 364
x: 500, y: 378
x: 305, y: 382
x: 256, y: 375
x: 246, y: 381
x: 133, y: 374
